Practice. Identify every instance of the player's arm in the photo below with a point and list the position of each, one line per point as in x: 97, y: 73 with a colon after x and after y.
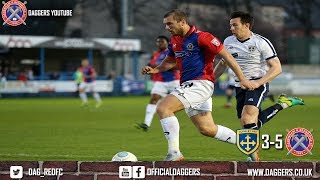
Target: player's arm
x: 274, y: 70
x: 92, y: 73
x: 168, y: 63
x: 232, y: 63
x: 270, y: 56
x: 220, y: 68
x: 213, y: 45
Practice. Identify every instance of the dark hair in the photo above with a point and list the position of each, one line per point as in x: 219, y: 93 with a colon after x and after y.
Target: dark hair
x: 163, y: 37
x: 244, y: 17
x: 177, y: 14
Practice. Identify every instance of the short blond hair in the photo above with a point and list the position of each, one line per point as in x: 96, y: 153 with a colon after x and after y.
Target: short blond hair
x: 177, y: 14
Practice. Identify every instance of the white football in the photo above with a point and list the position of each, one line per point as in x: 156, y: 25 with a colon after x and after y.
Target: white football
x: 124, y: 156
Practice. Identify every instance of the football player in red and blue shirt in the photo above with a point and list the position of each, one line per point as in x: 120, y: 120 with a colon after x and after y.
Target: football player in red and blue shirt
x: 88, y: 84
x: 194, y: 52
x: 163, y: 82
x: 158, y: 57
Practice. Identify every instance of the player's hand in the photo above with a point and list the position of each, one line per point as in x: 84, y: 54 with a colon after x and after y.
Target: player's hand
x: 246, y: 84
x: 149, y: 70
x: 255, y: 84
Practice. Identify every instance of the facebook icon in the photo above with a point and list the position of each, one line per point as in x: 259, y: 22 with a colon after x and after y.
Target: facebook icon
x: 138, y: 172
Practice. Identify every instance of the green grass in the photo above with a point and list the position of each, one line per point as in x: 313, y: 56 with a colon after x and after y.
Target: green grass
x: 59, y: 129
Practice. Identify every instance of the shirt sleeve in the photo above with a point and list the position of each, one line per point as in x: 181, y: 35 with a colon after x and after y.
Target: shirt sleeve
x: 267, y: 49
x: 226, y: 43
x: 170, y: 50
x: 166, y: 52
x: 209, y: 42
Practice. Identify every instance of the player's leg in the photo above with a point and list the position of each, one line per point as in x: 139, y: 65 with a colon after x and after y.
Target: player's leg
x: 252, y: 101
x: 229, y: 94
x: 151, y: 108
x: 283, y: 103
x: 249, y: 117
x: 241, y: 99
x: 249, y: 121
x: 170, y: 125
x: 248, y: 105
x: 158, y: 91
x: 203, y: 120
x: 82, y: 93
x: 150, y: 111
x: 189, y: 94
x: 95, y: 94
x: 76, y: 94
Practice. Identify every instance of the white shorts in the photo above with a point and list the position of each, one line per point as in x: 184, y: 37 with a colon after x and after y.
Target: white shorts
x: 88, y: 86
x: 164, y: 88
x: 195, y: 96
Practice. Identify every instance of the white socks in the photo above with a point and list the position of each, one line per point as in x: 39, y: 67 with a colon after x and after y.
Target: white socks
x: 225, y: 134
x: 150, y: 111
x: 170, y: 126
x: 83, y: 97
x: 97, y: 97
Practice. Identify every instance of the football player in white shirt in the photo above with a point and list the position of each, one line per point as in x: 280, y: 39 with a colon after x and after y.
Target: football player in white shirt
x: 253, y: 53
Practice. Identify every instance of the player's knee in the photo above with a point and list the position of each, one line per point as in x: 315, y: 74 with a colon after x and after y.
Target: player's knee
x: 163, y: 111
x: 154, y: 99
x: 229, y: 92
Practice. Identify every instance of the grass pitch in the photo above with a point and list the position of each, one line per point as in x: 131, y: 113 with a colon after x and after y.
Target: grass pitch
x: 59, y: 129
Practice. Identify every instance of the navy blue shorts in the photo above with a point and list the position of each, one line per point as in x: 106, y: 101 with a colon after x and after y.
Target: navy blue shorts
x: 246, y: 97
x: 232, y: 87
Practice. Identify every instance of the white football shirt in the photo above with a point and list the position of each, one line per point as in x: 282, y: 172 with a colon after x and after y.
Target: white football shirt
x: 251, y: 55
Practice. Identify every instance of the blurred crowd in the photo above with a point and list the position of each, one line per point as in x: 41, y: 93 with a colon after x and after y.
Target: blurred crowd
x: 12, y: 71
x: 9, y: 70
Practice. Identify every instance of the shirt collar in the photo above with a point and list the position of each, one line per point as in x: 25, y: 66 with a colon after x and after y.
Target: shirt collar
x: 191, y: 30
x: 251, y: 33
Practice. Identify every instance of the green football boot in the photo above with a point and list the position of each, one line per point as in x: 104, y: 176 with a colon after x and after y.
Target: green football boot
x: 289, y: 101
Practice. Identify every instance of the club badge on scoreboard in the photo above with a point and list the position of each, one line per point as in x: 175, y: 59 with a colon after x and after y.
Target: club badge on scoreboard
x: 299, y: 141
x: 248, y: 140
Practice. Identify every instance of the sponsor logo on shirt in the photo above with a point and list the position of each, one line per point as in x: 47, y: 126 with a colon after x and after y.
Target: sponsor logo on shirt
x: 181, y: 54
x: 215, y: 42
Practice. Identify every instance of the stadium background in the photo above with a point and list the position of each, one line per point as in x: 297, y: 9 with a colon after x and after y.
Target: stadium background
x: 39, y: 123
